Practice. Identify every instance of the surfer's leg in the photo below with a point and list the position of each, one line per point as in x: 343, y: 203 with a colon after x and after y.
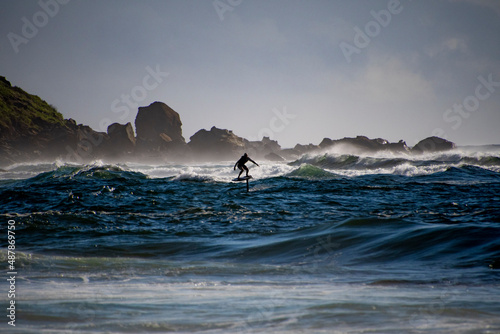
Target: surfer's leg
x: 241, y: 171
x: 246, y: 169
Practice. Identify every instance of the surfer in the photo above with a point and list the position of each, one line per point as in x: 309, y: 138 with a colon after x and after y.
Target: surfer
x: 241, y: 164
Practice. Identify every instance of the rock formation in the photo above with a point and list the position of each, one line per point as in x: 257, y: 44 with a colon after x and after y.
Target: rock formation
x: 216, y: 144
x: 121, y: 140
x: 302, y: 149
x: 31, y: 130
x: 432, y: 144
x: 264, y: 149
x: 362, y: 144
x: 159, y: 129
x: 221, y: 144
x: 81, y: 143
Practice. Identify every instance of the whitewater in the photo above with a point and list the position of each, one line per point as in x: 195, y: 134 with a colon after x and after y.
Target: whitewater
x: 333, y: 242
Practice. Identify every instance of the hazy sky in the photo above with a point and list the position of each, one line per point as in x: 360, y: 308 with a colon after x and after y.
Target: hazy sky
x: 296, y: 70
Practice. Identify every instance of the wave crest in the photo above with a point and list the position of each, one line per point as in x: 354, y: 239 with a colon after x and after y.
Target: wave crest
x: 311, y: 172
x: 352, y: 165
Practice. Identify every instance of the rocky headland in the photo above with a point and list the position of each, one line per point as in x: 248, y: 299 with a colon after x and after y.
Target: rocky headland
x: 33, y: 130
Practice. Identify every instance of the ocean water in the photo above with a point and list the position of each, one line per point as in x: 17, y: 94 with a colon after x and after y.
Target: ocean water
x: 330, y: 243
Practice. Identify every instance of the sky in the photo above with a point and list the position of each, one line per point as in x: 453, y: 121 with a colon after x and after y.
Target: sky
x: 293, y: 70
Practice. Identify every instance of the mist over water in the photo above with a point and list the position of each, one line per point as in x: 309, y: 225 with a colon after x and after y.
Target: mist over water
x: 332, y: 242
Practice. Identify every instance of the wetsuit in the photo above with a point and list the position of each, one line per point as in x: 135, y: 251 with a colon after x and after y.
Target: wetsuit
x: 241, y: 164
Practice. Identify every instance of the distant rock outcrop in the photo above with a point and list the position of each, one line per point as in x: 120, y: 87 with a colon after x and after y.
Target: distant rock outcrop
x: 362, y: 144
x: 399, y: 147
x: 121, y: 140
x: 159, y: 129
x: 432, y: 144
x: 262, y: 148
x: 216, y: 144
x: 221, y: 144
x: 302, y: 149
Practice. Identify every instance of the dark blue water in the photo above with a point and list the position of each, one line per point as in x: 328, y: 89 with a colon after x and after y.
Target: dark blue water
x: 325, y: 243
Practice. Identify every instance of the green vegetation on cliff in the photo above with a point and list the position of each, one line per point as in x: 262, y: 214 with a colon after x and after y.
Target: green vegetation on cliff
x: 21, y: 112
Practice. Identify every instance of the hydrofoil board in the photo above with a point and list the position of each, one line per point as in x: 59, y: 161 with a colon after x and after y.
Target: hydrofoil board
x: 243, y: 178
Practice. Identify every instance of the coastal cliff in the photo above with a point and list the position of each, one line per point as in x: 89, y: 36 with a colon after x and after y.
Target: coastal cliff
x: 33, y: 130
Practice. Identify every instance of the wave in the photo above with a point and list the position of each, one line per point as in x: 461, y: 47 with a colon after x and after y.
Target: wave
x: 81, y: 173
x: 322, y: 248
x: 321, y: 166
x: 373, y: 240
x: 311, y: 172
x: 352, y: 165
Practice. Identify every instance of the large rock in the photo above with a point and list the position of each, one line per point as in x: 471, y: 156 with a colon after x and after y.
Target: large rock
x: 121, y: 140
x: 363, y: 144
x: 431, y: 145
x: 216, y: 144
x: 159, y: 129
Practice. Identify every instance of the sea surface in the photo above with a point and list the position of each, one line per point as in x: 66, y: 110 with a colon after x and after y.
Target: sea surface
x: 330, y: 243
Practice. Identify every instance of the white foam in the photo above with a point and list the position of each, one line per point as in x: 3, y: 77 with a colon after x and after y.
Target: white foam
x: 212, y: 172
x: 365, y: 164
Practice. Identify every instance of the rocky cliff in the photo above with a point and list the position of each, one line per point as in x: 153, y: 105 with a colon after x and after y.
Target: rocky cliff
x: 32, y: 130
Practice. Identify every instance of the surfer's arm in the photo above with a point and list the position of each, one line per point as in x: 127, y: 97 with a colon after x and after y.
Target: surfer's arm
x: 254, y: 162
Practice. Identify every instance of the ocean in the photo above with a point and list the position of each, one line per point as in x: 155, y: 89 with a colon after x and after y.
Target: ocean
x: 330, y: 243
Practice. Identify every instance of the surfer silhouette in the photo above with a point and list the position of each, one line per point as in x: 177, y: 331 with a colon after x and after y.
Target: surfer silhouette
x: 241, y: 164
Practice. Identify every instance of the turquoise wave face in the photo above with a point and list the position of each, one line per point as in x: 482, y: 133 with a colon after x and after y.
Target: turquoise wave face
x: 311, y: 172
